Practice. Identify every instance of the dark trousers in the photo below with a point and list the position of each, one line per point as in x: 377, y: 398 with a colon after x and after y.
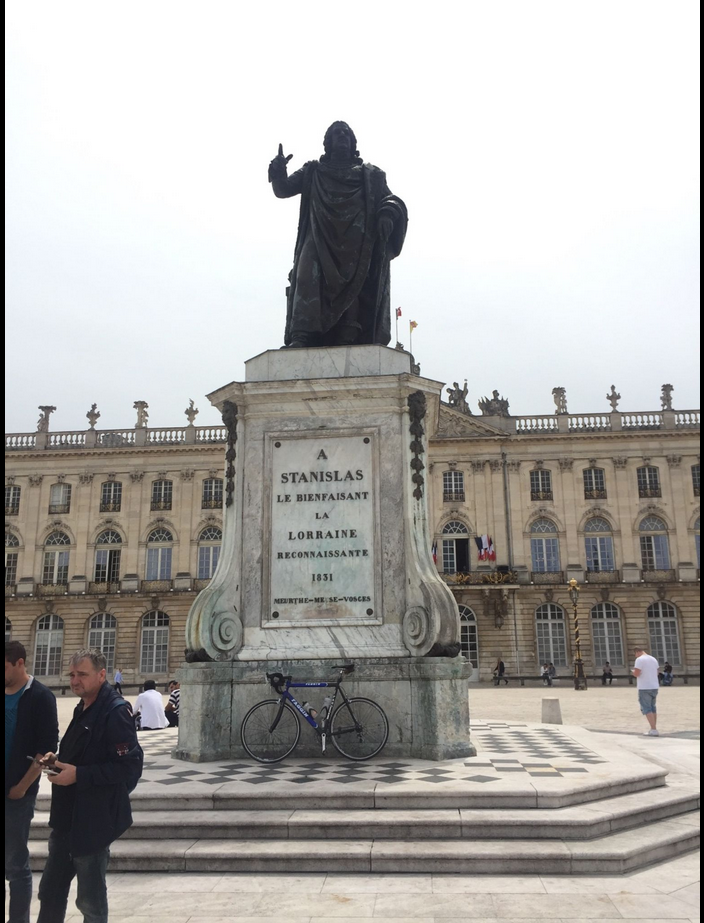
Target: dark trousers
x: 172, y: 718
x: 118, y: 688
x: 60, y: 870
x: 607, y: 677
x: 18, y: 817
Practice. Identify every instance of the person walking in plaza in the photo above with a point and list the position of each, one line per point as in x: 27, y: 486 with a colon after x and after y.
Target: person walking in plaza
x: 98, y: 764
x: 150, y: 707
x: 117, y: 681
x: 645, y: 670
x: 607, y: 674
x: 174, y: 703
x: 31, y: 731
x: 500, y: 672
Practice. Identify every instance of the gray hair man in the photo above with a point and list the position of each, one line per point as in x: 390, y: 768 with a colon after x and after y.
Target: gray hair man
x: 98, y: 764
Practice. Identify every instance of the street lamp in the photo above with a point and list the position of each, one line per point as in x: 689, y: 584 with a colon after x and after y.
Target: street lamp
x: 580, y: 680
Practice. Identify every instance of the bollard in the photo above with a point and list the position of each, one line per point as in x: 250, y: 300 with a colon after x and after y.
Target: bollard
x: 551, y: 711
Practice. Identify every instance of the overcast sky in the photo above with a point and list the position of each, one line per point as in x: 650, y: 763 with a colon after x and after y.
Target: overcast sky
x: 547, y: 153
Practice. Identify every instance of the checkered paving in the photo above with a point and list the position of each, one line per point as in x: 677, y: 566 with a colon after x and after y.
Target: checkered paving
x: 503, y: 748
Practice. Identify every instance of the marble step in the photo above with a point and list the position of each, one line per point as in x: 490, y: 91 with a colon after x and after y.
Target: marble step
x: 615, y: 853
x: 572, y: 823
x: 529, y: 793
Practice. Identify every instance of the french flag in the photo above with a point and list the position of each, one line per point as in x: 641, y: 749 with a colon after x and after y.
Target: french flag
x: 434, y: 552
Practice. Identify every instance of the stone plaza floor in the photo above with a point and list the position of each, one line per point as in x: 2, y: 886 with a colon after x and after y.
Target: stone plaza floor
x: 513, y: 751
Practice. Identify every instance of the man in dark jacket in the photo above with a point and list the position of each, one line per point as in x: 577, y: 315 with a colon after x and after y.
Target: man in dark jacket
x: 31, y: 729
x: 99, y: 763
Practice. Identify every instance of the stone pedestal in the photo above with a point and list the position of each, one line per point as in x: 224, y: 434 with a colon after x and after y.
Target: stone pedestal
x: 326, y: 554
x: 425, y: 700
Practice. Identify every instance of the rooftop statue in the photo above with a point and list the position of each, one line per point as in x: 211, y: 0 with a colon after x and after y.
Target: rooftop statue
x: 350, y: 228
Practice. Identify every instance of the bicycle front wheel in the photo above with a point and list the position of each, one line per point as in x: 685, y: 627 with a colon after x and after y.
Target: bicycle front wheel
x: 266, y: 739
x: 359, y: 729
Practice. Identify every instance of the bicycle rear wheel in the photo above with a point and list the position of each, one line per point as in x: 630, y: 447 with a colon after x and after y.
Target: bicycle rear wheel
x: 359, y: 729
x: 264, y: 742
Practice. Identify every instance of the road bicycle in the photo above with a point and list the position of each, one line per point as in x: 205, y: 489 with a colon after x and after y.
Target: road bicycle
x: 271, y: 729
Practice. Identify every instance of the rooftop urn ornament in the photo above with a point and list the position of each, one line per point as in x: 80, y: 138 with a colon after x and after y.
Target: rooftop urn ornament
x: 666, y: 397
x: 45, y: 411
x: 457, y: 397
x: 142, y: 415
x: 350, y: 228
x: 559, y: 395
x: 494, y: 406
x: 93, y: 415
x: 191, y: 412
x: 613, y: 398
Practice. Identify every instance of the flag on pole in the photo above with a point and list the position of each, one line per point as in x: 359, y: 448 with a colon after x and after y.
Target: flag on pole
x: 480, y: 547
x: 398, y: 312
x: 492, y: 550
x: 412, y: 324
x: 434, y: 552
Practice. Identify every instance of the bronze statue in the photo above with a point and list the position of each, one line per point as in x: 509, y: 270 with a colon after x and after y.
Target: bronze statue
x: 350, y: 228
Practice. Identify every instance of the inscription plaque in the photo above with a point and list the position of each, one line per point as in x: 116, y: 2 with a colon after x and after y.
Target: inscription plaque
x: 322, y: 562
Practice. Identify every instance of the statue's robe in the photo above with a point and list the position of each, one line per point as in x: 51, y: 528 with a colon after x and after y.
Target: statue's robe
x: 339, y: 260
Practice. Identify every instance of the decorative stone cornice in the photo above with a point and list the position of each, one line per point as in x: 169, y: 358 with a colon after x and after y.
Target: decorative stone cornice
x: 9, y: 481
x: 85, y: 479
x: 565, y: 464
x: 674, y: 461
x: 477, y: 466
x: 136, y: 475
x: 35, y: 480
x: 619, y: 462
x: 187, y: 474
x: 495, y: 464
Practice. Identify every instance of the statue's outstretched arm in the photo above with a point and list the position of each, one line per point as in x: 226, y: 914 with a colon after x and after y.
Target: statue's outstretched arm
x: 284, y: 186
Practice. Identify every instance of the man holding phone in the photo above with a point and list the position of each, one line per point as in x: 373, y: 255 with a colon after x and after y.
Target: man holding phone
x: 99, y: 763
x: 31, y: 730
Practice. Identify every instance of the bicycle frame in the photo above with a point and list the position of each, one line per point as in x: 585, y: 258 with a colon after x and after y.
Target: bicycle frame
x: 286, y: 696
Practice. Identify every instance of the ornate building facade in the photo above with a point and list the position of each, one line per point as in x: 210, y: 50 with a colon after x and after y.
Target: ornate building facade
x: 109, y: 535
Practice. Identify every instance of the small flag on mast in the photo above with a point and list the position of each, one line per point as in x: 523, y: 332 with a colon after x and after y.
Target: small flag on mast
x: 434, y: 552
x: 413, y: 325
x: 398, y: 312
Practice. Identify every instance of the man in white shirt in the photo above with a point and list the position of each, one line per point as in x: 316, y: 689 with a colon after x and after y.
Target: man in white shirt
x: 646, y: 670
x: 150, y: 706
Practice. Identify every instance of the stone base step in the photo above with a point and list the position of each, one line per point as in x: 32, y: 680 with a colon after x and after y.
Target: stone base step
x: 546, y: 794
x: 580, y: 822
x: 614, y: 854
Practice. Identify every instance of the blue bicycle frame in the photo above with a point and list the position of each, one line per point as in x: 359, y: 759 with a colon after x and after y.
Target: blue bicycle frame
x: 277, y: 680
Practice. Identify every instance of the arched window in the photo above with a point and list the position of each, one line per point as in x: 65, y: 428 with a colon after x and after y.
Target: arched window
x: 541, y: 484
x: 594, y: 484
x: 453, y: 486
x: 48, y: 647
x: 60, y: 498
x: 212, y: 494
x: 648, y: 482
x: 654, y: 546
x: 607, y: 635
x: 455, y: 551
x: 162, y: 494
x: 55, y: 567
x: 12, y: 543
x: 551, y: 635
x: 696, y: 540
x: 599, y: 545
x: 159, y: 554
x: 102, y: 634
x: 154, y: 647
x: 469, y: 639
x: 107, y: 557
x: 544, y: 547
x: 8, y: 629
x: 209, y: 544
x: 662, y: 628
x: 12, y: 500
x: 110, y: 497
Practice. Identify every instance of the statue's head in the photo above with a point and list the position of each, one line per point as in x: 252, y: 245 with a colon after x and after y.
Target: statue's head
x: 341, y: 140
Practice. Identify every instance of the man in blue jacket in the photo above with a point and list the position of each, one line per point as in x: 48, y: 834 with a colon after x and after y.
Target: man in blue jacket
x: 31, y: 729
x: 98, y: 764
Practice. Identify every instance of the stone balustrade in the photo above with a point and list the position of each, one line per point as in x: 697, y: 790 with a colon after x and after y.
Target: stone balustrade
x: 116, y: 438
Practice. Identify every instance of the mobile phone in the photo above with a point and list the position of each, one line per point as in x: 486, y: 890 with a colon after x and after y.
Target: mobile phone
x: 50, y: 771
